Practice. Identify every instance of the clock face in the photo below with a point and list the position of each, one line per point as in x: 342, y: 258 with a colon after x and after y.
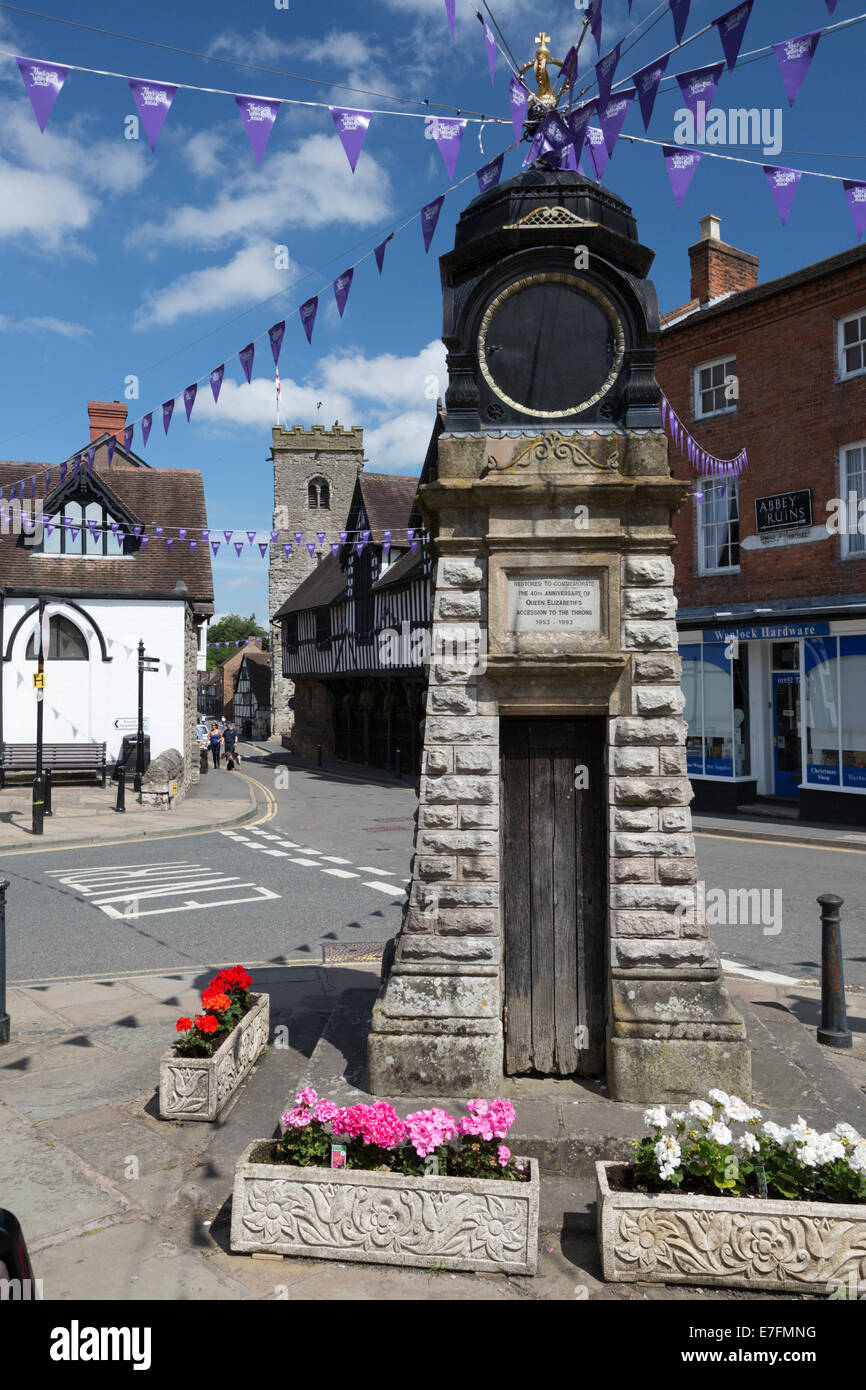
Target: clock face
x: 550, y: 344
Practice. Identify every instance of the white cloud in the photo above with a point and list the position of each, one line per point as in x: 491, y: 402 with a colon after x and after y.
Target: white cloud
x: 43, y: 325
x: 387, y: 380
x: 312, y: 186
x: 399, y: 445
x: 249, y: 277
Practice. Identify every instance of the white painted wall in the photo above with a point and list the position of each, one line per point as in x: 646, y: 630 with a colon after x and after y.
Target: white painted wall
x: 82, y: 699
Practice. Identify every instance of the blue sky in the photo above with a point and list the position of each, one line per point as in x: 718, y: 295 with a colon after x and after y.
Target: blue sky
x: 116, y: 261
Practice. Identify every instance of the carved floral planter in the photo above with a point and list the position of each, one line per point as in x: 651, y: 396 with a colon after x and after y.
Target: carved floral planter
x: 764, y: 1245
x: 199, y: 1088
x: 385, y: 1218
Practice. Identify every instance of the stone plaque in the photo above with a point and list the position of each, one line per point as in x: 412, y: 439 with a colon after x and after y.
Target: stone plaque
x: 553, y: 603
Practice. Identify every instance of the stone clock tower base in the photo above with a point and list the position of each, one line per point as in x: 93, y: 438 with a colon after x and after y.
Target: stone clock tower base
x: 551, y: 924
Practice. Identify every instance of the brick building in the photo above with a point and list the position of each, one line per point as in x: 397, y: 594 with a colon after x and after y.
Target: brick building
x: 770, y: 567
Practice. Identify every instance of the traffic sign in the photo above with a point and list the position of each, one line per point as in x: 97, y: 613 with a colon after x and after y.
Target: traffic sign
x: 129, y: 724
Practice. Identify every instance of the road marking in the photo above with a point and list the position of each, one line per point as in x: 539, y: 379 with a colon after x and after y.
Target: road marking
x: 786, y: 844
x: 769, y: 977
x: 340, y: 873
x: 393, y: 889
x: 120, y: 890
x: 283, y: 853
x: 205, y: 885
x: 308, y: 863
x: 335, y: 859
x: 257, y: 895
x: 371, y: 869
x: 289, y: 844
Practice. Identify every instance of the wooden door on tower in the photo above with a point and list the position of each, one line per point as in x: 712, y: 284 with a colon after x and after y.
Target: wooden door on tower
x: 554, y: 876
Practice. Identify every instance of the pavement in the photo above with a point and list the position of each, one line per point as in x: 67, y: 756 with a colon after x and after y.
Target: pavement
x: 116, y: 1203
x: 86, y: 814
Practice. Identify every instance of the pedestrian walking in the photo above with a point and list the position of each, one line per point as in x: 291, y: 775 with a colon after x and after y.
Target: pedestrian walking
x: 215, y: 739
x: 230, y: 738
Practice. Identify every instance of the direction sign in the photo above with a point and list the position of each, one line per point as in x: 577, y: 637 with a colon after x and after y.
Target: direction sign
x: 129, y: 724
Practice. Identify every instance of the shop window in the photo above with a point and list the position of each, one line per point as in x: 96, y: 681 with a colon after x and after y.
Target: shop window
x: 822, y: 711
x: 66, y: 642
x: 852, y: 345
x: 853, y: 478
x: 719, y: 528
x: 715, y: 387
x: 718, y: 730
x: 852, y: 681
x: 691, y: 688
x: 715, y: 686
x: 786, y: 656
x: 742, y: 750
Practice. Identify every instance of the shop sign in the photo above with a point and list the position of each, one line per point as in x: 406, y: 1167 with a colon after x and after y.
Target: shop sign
x: 763, y: 632
x: 783, y: 511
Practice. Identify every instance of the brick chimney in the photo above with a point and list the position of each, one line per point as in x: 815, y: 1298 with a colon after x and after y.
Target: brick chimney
x: 106, y: 417
x: 718, y: 268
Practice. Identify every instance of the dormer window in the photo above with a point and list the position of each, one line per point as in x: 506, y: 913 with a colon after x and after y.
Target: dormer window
x: 80, y: 528
x: 319, y: 495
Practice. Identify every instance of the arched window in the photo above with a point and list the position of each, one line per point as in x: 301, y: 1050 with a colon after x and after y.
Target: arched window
x: 66, y: 642
x: 319, y: 494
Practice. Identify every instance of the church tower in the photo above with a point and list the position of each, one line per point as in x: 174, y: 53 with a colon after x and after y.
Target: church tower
x: 314, y: 478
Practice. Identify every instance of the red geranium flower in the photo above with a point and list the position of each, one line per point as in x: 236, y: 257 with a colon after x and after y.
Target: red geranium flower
x: 184, y: 1024
x: 217, y: 1002
x: 206, y: 1023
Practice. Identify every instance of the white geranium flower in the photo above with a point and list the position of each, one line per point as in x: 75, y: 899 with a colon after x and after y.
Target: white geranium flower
x: 801, y: 1133
x: 828, y: 1149
x: 776, y: 1132
x: 668, y: 1154
x: 720, y: 1097
x: 656, y: 1116
x: 857, y: 1157
x: 807, y: 1155
x: 720, y: 1132
x: 747, y: 1143
x: 843, y: 1131
x: 700, y: 1110
x: 736, y: 1109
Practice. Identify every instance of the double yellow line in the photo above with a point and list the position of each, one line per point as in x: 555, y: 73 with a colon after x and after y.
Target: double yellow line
x: 271, y: 804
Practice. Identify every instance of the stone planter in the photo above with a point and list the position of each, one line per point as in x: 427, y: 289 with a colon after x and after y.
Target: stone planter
x: 199, y: 1088
x: 766, y: 1246
x: 385, y: 1218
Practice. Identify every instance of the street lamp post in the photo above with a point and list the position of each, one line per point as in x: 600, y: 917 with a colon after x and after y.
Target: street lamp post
x: 39, y: 682
x: 145, y: 663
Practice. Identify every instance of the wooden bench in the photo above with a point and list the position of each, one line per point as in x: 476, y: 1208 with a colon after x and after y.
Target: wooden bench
x: 60, y: 757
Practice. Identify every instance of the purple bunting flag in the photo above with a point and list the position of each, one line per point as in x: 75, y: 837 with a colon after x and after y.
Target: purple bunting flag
x: 831, y: 6
x: 386, y: 541
x: 246, y: 356
x: 855, y: 192
x: 91, y: 457
x: 429, y: 218
x: 612, y: 115
x: 111, y: 446
x: 597, y: 150
x: 167, y: 411
x: 311, y: 548
x: 342, y: 285
x: 307, y: 312
x: 577, y: 124
x: 275, y: 535
x: 518, y: 97
x: 489, y: 176
x: 153, y: 100
x: 490, y: 45
x: 299, y: 536
x: 732, y: 27
x: 263, y: 549
x: 276, y: 336
x: 146, y: 427
x: 783, y: 186
x: 647, y: 83
x: 127, y: 442
x: 555, y: 131
x: 44, y: 82
x: 344, y: 535
x: 228, y: 535
x: 681, y: 165
x: 287, y: 549
x: 604, y: 71
x: 189, y: 396
x: 379, y: 252
x: 216, y: 381
x: 258, y: 117
x: 169, y: 542
x: 450, y: 6
x: 352, y: 127
x: 593, y: 15
x: 794, y: 57
x: 137, y: 530
x: 320, y: 537
x: 568, y: 71
x: 158, y: 530
x: 335, y: 548
x: 239, y: 545
x: 144, y: 541
x: 680, y: 16
x: 699, y: 86
x: 251, y: 535
x: 448, y: 135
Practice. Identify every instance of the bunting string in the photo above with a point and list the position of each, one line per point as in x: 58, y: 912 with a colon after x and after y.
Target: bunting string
x: 700, y: 459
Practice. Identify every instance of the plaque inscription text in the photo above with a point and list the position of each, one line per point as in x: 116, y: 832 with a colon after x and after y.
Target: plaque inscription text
x: 553, y: 603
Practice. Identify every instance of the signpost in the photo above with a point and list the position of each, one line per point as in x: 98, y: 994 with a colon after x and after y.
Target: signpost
x: 145, y: 663
x: 39, y: 685
x: 783, y: 511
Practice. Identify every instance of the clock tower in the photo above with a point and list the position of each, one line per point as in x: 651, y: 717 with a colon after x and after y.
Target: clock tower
x: 553, y: 924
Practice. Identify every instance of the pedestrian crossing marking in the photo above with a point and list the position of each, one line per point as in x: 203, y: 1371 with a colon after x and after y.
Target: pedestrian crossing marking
x: 394, y: 889
x: 339, y: 873
x: 335, y: 859
x: 308, y: 863
x: 371, y: 869
x: 283, y: 853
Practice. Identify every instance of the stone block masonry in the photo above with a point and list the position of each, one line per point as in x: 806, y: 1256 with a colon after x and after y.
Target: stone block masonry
x: 300, y: 457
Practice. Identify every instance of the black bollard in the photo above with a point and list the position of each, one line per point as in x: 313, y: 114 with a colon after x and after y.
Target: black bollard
x: 834, y: 1030
x: 319, y: 755
x: 38, y: 804
x: 398, y: 762
x: 4, y: 1017
x: 47, y: 807
x: 121, y: 790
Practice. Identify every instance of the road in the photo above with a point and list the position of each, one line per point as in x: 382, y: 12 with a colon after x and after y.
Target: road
x: 325, y: 861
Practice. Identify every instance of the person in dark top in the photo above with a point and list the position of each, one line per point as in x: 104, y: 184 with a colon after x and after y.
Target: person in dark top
x: 214, y: 738
x: 230, y: 738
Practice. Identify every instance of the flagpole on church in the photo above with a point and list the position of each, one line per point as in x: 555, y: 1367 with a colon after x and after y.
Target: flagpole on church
x: 278, y: 396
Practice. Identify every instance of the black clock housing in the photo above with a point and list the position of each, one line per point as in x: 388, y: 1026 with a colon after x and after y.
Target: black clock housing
x: 549, y: 319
